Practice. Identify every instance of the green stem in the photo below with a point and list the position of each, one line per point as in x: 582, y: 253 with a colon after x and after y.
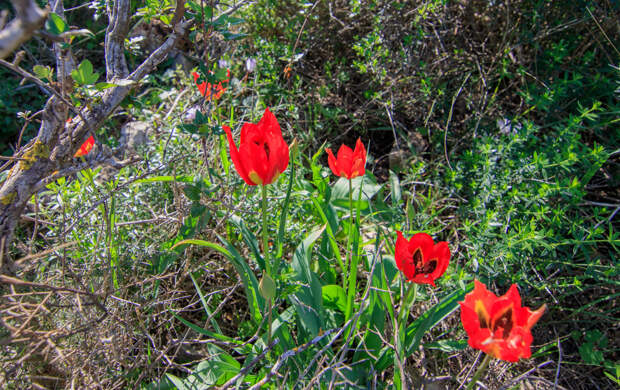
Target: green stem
x: 269, y: 323
x: 410, y: 297
x: 400, y: 329
x: 481, y: 369
x: 265, y: 240
x: 267, y: 260
x: 349, y: 256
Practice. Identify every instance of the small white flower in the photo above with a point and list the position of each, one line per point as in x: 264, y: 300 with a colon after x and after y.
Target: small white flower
x: 222, y: 63
x: 505, y: 126
x: 190, y: 115
x: 250, y: 65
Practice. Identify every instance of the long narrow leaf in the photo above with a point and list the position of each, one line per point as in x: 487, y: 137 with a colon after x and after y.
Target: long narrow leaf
x: 204, y: 304
x: 330, y: 233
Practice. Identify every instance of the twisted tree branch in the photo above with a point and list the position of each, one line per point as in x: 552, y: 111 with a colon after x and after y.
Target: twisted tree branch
x: 53, y: 148
x: 28, y: 19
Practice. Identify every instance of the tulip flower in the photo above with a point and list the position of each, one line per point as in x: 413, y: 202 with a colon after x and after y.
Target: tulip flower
x: 349, y: 163
x: 499, y: 326
x: 262, y: 155
x: 211, y: 91
x: 86, y: 147
x: 420, y: 259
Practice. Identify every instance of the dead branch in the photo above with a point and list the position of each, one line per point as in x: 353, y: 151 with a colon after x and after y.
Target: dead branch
x: 53, y: 148
x: 28, y: 19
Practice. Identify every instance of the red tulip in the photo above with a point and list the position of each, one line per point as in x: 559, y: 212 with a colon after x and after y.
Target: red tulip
x: 350, y: 163
x: 499, y: 326
x: 86, y: 147
x: 420, y: 259
x: 211, y: 91
x: 262, y: 153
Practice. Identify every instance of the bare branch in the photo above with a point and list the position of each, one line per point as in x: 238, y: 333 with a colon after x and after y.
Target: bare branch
x: 65, y: 62
x: 29, y: 18
x: 115, y: 62
x: 53, y: 148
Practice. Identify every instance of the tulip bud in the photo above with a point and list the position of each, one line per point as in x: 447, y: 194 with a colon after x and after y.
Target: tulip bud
x: 267, y: 287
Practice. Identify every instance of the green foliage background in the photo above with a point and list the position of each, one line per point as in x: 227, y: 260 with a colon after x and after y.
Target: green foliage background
x: 491, y: 125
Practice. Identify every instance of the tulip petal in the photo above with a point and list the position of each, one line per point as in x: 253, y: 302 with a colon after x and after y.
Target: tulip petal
x: 359, y: 160
x: 235, y: 157
x: 499, y: 326
x: 345, y: 161
x: 331, y: 160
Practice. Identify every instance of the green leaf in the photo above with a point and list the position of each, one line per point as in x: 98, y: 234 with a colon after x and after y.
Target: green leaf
x: 334, y: 297
x: 165, y: 19
x: 207, y: 244
x: 340, y: 192
x: 104, y: 85
x: 234, y: 20
x: 423, y: 324
x: 447, y: 346
x: 84, y: 75
x: 192, y: 192
x: 395, y: 189
x: 308, y: 301
x: 233, y: 36
x: 267, y: 287
x: 55, y: 24
x: 256, y: 302
x: 43, y: 72
x: 250, y: 239
x: 204, y: 305
x: 167, y: 179
x: 221, y: 74
x: 432, y: 317
x: 330, y: 232
x: 178, y: 382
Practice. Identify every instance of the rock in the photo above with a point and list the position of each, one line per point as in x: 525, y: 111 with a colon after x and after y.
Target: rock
x: 133, y: 135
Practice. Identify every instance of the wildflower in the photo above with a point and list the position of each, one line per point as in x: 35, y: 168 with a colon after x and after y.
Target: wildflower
x: 263, y: 154
x: 211, y: 91
x: 420, y: 259
x: 250, y: 65
x: 190, y: 115
x: 86, y: 147
x: 505, y: 126
x: 499, y: 326
x: 349, y: 163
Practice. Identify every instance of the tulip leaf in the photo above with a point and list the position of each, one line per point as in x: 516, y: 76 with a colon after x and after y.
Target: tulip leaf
x: 329, y: 231
x: 428, y: 320
x: 395, y: 189
x: 250, y: 240
x: 447, y: 346
x: 334, y: 297
x: 204, y: 305
x: 256, y: 303
x: 432, y: 317
x: 340, y: 192
x: 250, y: 283
x: 308, y: 301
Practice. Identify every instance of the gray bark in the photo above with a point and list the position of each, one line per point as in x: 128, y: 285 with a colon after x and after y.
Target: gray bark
x: 53, y: 148
x: 28, y: 19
